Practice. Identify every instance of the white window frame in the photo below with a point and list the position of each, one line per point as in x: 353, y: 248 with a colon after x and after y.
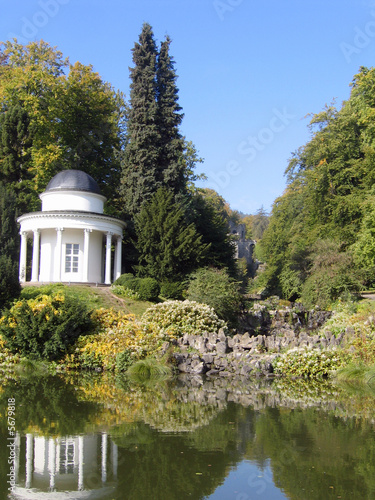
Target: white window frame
x: 71, y: 257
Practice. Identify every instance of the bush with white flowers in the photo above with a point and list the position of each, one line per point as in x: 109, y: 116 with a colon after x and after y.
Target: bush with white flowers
x: 309, y: 363
x: 175, y: 318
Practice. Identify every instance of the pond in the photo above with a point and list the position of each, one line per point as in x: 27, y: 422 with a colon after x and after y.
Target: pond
x: 105, y: 437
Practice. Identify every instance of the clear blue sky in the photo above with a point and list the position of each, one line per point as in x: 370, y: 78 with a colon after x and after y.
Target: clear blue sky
x: 249, y: 70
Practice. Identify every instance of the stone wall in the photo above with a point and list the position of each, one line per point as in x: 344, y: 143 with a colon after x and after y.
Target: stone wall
x: 249, y: 354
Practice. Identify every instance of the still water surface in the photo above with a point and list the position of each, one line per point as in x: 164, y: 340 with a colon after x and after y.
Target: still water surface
x: 106, y: 437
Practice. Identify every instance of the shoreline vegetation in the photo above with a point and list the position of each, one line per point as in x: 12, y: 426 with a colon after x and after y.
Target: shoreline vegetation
x: 186, y: 306
x: 122, y: 334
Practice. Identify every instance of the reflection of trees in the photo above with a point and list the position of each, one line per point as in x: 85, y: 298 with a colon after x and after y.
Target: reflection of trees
x: 163, y: 406
x: 315, y: 455
x: 46, y: 405
x: 178, y: 439
x: 177, y: 466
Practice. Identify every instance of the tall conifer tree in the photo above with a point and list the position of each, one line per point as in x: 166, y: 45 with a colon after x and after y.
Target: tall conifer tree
x: 9, y: 244
x: 139, y: 167
x: 15, y: 154
x: 170, y: 163
x: 155, y: 155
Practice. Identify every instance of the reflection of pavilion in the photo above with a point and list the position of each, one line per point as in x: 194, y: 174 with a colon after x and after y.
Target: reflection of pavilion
x: 78, y: 464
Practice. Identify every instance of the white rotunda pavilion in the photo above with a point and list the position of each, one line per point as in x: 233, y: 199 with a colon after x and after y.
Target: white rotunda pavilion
x: 72, y: 238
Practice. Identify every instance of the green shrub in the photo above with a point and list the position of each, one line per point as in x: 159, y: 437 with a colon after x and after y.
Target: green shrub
x: 44, y: 327
x: 123, y: 361
x: 172, y: 290
x: 124, y: 279
x: 175, y: 318
x: 217, y: 289
x: 147, y: 288
x: 9, y: 284
x: 125, y: 292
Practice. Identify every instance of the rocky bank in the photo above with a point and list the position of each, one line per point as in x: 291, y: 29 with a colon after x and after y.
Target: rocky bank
x: 253, y: 352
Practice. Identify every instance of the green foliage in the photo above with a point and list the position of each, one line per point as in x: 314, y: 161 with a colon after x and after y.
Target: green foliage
x: 44, y: 327
x: 149, y: 369
x: 148, y: 289
x: 139, y: 166
x: 217, y: 289
x: 144, y: 288
x: 359, y: 373
x: 171, y: 164
x: 210, y: 217
x: 333, y: 274
x: 124, y: 360
x: 259, y: 223
x: 169, y: 248
x: 15, y: 154
x: 172, y: 290
x: 9, y: 284
x: 125, y: 292
x: 363, y: 348
x: 309, y: 363
x: 176, y: 318
x: 93, y: 297
x: 329, y: 197
x: 9, y: 244
x: 364, y: 247
x: 55, y: 116
x: 124, y: 279
x: 156, y: 154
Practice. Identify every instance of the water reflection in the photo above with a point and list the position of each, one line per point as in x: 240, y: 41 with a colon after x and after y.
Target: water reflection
x: 105, y: 437
x: 61, y: 464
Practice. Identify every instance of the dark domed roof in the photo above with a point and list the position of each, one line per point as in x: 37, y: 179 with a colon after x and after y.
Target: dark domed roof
x: 73, y: 180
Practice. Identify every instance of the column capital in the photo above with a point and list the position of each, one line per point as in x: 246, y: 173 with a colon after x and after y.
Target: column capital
x: 87, y: 230
x: 59, y: 229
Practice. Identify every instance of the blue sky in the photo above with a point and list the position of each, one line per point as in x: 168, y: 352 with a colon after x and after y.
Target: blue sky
x: 249, y: 70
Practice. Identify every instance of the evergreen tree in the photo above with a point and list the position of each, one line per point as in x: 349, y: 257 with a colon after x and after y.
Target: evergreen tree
x: 169, y: 248
x: 260, y: 223
x: 156, y: 154
x: 15, y: 154
x: 9, y: 244
x: 140, y: 177
x: 171, y: 167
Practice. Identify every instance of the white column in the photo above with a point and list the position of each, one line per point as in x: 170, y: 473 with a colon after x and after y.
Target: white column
x: 114, y: 459
x: 104, y: 456
x: 52, y: 464
x: 118, y: 256
x: 23, y: 253
x: 86, y: 246
x: 29, y: 459
x: 58, y: 254
x: 107, y: 280
x: 35, y: 268
x: 80, y: 463
x: 17, y: 464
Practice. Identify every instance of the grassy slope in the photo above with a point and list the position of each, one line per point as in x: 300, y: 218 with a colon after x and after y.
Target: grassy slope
x: 95, y: 297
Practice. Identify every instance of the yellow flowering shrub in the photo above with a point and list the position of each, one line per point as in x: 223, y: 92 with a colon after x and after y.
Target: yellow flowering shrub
x: 116, y: 333
x: 45, y: 326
